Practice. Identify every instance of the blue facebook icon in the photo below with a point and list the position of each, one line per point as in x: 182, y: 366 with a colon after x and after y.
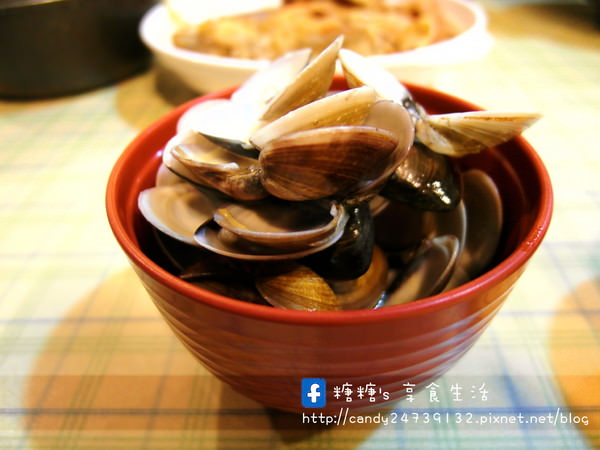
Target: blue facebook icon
x: 313, y: 392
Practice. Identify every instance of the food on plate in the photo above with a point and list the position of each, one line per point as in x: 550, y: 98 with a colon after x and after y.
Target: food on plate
x: 370, y: 27
x: 321, y: 200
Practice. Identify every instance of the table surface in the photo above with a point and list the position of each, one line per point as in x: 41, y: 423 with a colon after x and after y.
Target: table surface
x: 87, y: 362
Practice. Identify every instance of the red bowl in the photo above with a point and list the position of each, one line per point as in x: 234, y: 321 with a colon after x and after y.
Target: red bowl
x: 265, y: 352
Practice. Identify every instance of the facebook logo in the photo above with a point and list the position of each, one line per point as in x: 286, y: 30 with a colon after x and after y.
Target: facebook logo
x: 313, y: 392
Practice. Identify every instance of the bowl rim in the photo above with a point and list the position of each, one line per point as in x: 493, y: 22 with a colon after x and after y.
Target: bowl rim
x: 475, y: 37
x: 510, y: 264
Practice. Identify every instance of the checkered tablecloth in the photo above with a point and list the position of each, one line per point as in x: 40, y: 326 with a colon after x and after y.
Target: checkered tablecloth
x: 87, y: 362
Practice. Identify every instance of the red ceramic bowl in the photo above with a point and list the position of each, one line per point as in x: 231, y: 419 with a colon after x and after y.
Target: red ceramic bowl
x: 265, y: 352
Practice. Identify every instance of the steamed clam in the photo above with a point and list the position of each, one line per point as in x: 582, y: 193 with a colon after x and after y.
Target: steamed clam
x: 327, y: 201
x: 458, y: 134
x: 287, y: 84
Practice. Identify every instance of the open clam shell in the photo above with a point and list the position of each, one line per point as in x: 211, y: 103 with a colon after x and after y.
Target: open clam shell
x: 454, y: 134
x: 425, y: 180
x: 194, y: 146
x: 329, y: 161
x: 350, y: 256
x: 223, y: 122
x: 177, y: 210
x: 280, y: 224
x: 216, y: 239
x: 484, y: 215
x: 360, y: 72
x: 348, y: 107
x: 230, y: 122
x: 459, y: 134
x: 263, y: 86
x: 367, y: 290
x: 428, y: 272
x: 310, y: 84
x: 299, y: 287
x: 229, y: 179
x: 343, y: 159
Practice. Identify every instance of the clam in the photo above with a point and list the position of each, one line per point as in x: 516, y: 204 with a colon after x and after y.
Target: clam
x: 455, y: 134
x: 327, y: 161
x: 349, y: 107
x: 230, y: 179
x: 327, y: 202
x: 341, y: 142
x: 194, y: 158
x: 360, y: 72
x: 425, y: 180
x: 298, y: 288
x: 351, y: 255
x: 265, y: 84
x: 310, y: 84
x: 367, y: 290
x: 484, y: 215
x: 277, y: 231
x: 302, y: 288
x: 280, y: 224
x: 422, y: 179
x: 344, y: 159
x: 427, y: 273
x: 229, y: 122
x: 265, y: 97
x: 223, y: 122
x: 459, y: 134
x: 196, y: 147
x: 177, y: 210
x: 400, y: 227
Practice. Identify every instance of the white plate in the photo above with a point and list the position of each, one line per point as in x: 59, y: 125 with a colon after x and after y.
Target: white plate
x: 207, y: 73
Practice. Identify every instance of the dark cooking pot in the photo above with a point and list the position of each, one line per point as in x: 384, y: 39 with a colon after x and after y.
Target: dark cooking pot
x: 57, y: 47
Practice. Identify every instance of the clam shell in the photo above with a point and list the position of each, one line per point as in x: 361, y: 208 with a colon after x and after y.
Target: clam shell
x: 329, y: 161
x: 399, y: 226
x: 311, y: 83
x: 280, y: 224
x: 298, y: 288
x: 459, y: 134
x: 484, y: 215
x: 222, y: 121
x: 301, y: 288
x: 392, y: 116
x: 177, y: 210
x: 229, y: 179
x: 359, y: 72
x: 351, y: 256
x: 368, y: 289
x: 230, y: 122
x: 166, y: 177
x: 216, y: 239
x: 428, y: 273
x: 425, y: 180
x: 349, y: 107
x: 197, y: 148
x: 264, y: 85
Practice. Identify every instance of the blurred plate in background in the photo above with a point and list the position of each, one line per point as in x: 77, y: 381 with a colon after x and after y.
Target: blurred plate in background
x: 202, y: 72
